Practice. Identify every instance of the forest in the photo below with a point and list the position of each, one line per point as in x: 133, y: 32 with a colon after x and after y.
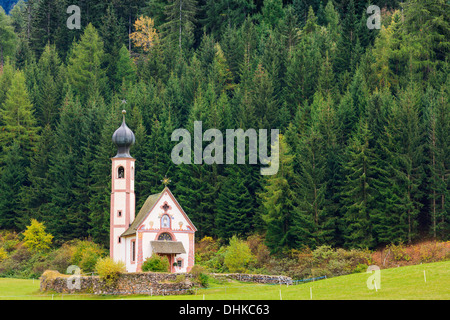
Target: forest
x: 363, y: 114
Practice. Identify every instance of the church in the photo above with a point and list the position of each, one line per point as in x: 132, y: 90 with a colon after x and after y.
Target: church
x: 161, y: 226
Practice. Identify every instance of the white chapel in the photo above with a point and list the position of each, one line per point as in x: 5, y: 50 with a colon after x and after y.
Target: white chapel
x: 161, y: 226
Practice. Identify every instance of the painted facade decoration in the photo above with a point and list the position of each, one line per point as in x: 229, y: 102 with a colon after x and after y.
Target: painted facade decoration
x: 161, y: 226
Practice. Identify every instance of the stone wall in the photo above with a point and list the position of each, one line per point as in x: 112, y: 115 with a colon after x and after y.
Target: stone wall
x: 150, y: 283
x: 256, y: 278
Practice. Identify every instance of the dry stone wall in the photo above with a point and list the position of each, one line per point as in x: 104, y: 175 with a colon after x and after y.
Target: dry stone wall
x: 256, y: 278
x: 127, y: 283
x: 151, y: 283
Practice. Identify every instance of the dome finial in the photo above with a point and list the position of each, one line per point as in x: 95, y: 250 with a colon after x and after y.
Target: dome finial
x: 123, y: 137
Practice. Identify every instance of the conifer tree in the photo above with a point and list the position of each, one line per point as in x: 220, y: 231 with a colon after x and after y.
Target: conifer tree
x: 345, y: 56
x: 12, y: 178
x: 234, y: 205
x: 125, y: 68
x: 7, y: 37
x: 35, y: 194
x: 48, y: 85
x: 436, y: 115
x: 223, y: 14
x: 404, y: 150
x: 359, y: 192
x: 180, y: 18
x: 62, y: 180
x: 84, y: 67
x: 18, y: 121
x: 100, y: 188
x: 279, y: 198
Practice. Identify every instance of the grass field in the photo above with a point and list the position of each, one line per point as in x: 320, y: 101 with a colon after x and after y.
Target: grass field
x: 403, y: 283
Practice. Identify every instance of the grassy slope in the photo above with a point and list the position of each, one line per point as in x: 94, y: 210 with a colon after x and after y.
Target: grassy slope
x: 396, y: 283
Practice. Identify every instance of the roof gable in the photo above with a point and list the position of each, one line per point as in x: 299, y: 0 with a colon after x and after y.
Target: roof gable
x: 155, y: 201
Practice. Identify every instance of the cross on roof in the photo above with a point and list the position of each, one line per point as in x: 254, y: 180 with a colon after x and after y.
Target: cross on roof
x: 165, y: 181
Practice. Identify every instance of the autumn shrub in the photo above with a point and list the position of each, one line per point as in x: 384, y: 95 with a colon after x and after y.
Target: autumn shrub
x: 237, y: 255
x: 200, y: 275
x: 156, y: 263
x: 205, y: 249
x: 3, y: 254
x: 109, y: 270
x: 259, y: 251
x: 85, y: 255
x: 399, y: 252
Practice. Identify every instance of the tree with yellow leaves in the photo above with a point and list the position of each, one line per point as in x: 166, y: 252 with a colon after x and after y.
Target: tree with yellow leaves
x: 35, y: 237
x: 145, y: 35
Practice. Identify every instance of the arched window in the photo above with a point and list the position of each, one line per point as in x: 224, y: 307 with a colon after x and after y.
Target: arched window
x: 165, y: 236
x: 120, y: 172
x: 165, y: 221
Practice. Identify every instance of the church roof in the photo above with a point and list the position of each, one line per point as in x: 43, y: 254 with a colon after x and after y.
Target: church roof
x: 167, y: 247
x: 147, y: 207
x: 124, y: 138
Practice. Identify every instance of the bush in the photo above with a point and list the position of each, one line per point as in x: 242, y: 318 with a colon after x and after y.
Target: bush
x: 238, y: 255
x: 3, y: 254
x: 156, y: 263
x: 85, y: 255
x: 109, y: 270
x: 200, y: 276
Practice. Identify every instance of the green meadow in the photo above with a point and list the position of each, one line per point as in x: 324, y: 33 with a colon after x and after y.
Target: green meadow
x: 426, y: 281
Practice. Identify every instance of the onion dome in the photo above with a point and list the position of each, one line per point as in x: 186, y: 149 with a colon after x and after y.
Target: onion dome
x: 124, y: 138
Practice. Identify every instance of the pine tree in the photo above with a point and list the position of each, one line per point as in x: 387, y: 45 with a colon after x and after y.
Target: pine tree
x: 112, y: 32
x: 62, y: 180
x: 45, y: 20
x: 223, y: 14
x: 436, y: 114
x: 125, y: 68
x: 48, y: 87
x: 7, y: 37
x: 404, y: 149
x: 84, y: 67
x: 180, y: 19
x: 345, y: 58
x: 272, y: 12
x: 12, y: 178
x: 35, y: 194
x: 429, y: 43
x: 279, y: 199
x: 18, y: 121
x: 220, y: 73
x: 234, y: 205
x: 360, y: 190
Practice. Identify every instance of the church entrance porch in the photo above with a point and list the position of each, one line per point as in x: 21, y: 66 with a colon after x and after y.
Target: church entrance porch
x: 169, y: 249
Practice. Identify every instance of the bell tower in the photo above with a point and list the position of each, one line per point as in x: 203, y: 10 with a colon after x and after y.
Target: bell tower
x: 123, y: 200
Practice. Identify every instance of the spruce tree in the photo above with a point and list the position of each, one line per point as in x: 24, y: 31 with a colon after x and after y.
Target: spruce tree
x: 404, y: 150
x: 359, y: 192
x: 7, y: 37
x: 18, y: 121
x: 84, y: 68
x: 35, y: 194
x: 12, y: 178
x: 179, y: 25
x: 234, y: 205
x: 279, y: 199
